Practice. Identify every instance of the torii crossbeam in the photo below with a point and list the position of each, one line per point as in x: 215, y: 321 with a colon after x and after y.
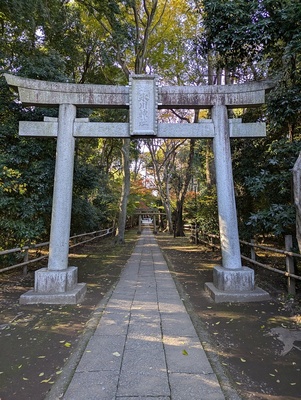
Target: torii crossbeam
x: 58, y: 283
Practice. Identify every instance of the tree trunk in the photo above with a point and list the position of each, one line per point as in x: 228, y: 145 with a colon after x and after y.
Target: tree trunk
x: 126, y: 184
x: 169, y: 227
x: 214, y: 77
x: 179, y: 224
x: 297, y: 198
x: 179, y: 219
x: 210, y: 169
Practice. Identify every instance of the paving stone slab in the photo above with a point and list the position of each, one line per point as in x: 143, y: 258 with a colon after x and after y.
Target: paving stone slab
x: 119, y: 305
x: 170, y: 328
x: 145, y: 350
x: 144, y: 383
x: 128, y: 281
x: 124, y: 292
x: 195, y: 387
x: 102, y: 354
x: 167, y: 290
x: 114, y: 324
x: 142, y: 314
x: 148, y: 324
x: 169, y: 306
x: 148, y: 309
x: 186, y: 355
x: 143, y: 359
x: 146, y: 300
x: 92, y: 386
x: 143, y: 398
x: 144, y: 330
x: 164, y: 279
x: 146, y: 288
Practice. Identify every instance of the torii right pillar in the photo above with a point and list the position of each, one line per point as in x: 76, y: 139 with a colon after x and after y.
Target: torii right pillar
x: 231, y: 282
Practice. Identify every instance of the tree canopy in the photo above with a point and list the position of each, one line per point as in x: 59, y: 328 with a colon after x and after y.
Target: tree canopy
x: 189, y: 42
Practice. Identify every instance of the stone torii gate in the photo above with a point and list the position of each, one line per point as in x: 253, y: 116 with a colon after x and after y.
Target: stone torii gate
x: 57, y: 284
x: 148, y: 212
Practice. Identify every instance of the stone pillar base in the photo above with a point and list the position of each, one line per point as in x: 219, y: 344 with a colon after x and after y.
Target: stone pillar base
x: 233, y: 280
x: 235, y: 286
x: 55, y: 281
x: 55, y: 287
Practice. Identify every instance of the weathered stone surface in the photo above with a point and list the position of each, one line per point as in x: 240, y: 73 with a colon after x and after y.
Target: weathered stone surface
x: 195, y: 387
x: 93, y: 386
x: 35, y: 92
x: 52, y: 281
x: 232, y: 96
x: 230, y: 246
x: 246, y: 130
x: 38, y: 128
x: 74, y: 296
x: 62, y: 191
x: 221, y: 296
x: 42, y: 93
x: 102, y: 129
x: 204, y: 129
x: 102, y: 357
x: 238, y: 280
x: 143, y: 105
x: 186, y: 355
x: 55, y: 287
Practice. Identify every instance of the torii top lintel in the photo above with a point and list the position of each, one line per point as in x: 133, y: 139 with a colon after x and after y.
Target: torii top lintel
x: 43, y: 93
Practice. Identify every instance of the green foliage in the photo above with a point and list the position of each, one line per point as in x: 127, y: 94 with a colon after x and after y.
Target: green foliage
x: 95, y: 41
x: 274, y: 175
x: 278, y: 219
x: 25, y: 192
x: 237, y: 30
x: 49, y: 41
x: 26, y: 177
x: 284, y: 106
x: 93, y: 199
x: 207, y: 215
x: 263, y: 180
x: 253, y: 39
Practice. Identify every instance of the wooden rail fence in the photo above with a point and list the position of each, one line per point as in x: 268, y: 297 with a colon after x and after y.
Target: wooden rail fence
x: 75, y: 240
x: 212, y: 241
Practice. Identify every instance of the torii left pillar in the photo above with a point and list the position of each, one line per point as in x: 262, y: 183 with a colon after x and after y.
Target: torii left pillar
x: 58, y: 284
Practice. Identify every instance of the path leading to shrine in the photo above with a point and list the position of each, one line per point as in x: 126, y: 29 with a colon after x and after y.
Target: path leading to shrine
x: 40, y: 345
x: 145, y: 344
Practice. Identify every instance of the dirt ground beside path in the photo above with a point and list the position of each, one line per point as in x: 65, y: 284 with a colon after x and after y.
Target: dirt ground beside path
x: 37, y: 340
x: 240, y: 334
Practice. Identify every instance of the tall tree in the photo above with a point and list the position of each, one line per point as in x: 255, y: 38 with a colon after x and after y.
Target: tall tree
x: 49, y: 41
x: 163, y: 153
x: 253, y: 40
x: 182, y: 176
x: 134, y: 29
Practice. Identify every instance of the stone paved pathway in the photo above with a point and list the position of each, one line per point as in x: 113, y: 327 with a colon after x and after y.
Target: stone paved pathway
x: 145, y: 346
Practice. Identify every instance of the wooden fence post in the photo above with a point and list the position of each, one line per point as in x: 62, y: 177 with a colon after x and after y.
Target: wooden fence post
x: 25, y: 259
x: 253, y: 252
x: 211, y: 241
x: 290, y: 266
